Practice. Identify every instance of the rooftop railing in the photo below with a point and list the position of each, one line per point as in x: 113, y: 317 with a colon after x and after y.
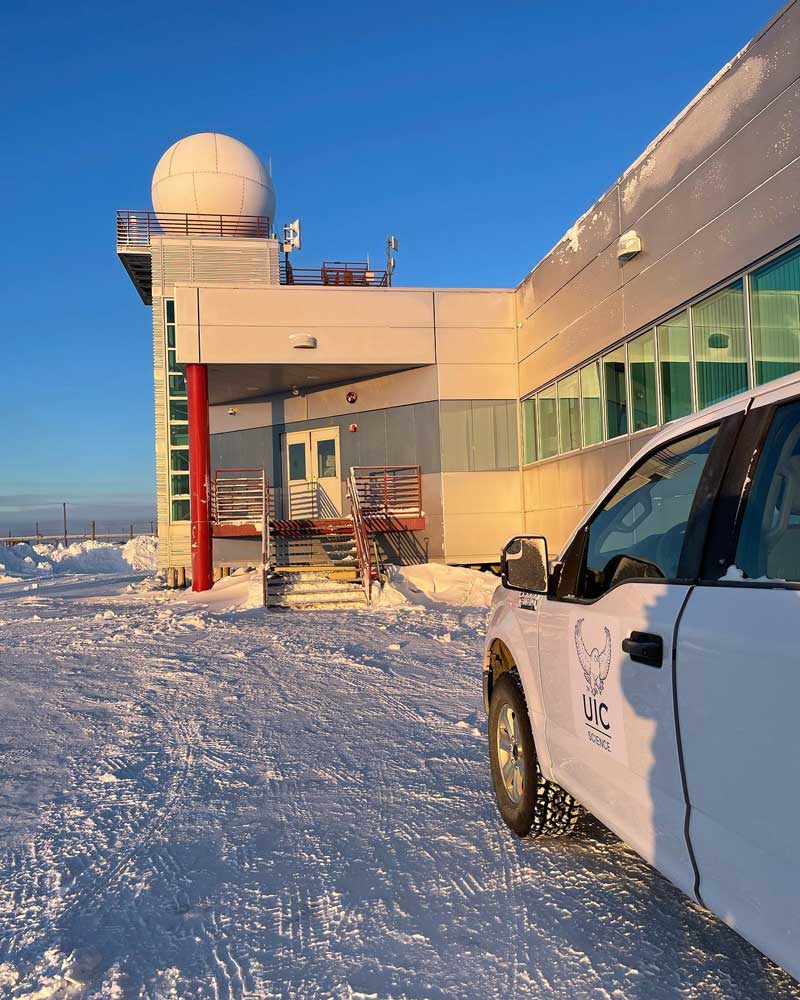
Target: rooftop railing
x: 138, y: 228
x: 337, y: 273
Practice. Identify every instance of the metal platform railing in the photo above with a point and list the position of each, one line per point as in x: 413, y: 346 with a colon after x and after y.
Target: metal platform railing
x: 138, y: 228
x: 335, y: 273
x: 243, y: 496
x: 388, y: 490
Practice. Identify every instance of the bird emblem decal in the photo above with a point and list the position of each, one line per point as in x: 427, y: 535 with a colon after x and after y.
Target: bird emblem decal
x: 595, y: 665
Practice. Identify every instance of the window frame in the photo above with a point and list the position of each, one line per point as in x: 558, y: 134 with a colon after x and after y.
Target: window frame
x: 723, y: 541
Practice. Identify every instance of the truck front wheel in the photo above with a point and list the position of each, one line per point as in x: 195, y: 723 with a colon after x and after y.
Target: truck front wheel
x: 529, y: 804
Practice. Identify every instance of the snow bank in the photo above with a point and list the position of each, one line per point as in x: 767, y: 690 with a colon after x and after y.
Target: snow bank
x: 434, y: 585
x: 44, y: 560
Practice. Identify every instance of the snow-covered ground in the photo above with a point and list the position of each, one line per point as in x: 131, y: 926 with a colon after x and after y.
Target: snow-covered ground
x: 206, y: 803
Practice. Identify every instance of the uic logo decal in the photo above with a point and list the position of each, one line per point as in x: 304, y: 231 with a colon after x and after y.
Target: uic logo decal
x: 595, y: 664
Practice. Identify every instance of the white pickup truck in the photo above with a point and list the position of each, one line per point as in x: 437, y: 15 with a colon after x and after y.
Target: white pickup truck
x: 652, y: 674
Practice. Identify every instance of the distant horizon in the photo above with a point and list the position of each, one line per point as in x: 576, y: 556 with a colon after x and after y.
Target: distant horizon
x: 20, y: 513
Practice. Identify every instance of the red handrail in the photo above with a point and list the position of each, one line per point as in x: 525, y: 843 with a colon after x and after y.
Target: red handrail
x: 361, y: 537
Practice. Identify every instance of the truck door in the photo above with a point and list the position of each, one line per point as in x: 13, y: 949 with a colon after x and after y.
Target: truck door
x: 605, y: 649
x: 738, y: 692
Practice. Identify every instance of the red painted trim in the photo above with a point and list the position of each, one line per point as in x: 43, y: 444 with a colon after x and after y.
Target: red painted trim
x: 199, y: 476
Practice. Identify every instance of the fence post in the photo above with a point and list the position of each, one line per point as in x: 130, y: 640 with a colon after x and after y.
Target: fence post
x: 65, y: 524
x: 93, y: 531
x: 130, y: 536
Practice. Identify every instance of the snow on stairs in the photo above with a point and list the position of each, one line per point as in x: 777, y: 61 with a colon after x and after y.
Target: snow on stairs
x: 313, y: 588
x: 315, y: 571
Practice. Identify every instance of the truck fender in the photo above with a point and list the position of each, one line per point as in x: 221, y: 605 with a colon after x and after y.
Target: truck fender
x: 506, y: 649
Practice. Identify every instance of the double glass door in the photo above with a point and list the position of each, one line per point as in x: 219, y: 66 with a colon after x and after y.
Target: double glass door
x: 312, y: 473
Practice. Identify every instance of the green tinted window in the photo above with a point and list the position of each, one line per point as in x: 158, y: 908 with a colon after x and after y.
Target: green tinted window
x: 170, y: 305
x: 720, y: 354
x: 548, y: 422
x: 177, y: 385
x: 642, y: 364
x: 179, y: 485
x: 179, y: 460
x: 775, y: 317
x: 179, y: 434
x: 676, y: 371
x: 529, y: 431
x: 178, y: 409
x: 591, y: 404
x: 180, y: 510
x: 569, y: 412
x: 616, y: 393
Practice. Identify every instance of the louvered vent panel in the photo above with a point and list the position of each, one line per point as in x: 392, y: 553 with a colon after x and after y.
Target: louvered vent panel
x: 233, y: 266
x: 177, y: 262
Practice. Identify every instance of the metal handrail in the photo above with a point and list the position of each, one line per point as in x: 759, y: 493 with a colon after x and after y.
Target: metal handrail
x: 388, y: 490
x: 361, y: 537
x: 138, y: 228
x: 243, y: 496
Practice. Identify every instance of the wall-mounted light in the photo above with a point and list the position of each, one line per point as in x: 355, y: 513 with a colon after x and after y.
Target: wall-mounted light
x: 303, y: 341
x: 352, y: 397
x: 232, y: 411
x: 628, y: 246
x: 295, y: 390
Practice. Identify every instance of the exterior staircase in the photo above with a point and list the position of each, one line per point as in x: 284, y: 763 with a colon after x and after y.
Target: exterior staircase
x: 314, y: 570
x: 319, y: 562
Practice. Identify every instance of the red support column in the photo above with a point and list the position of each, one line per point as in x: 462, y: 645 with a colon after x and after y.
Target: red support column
x: 199, y: 476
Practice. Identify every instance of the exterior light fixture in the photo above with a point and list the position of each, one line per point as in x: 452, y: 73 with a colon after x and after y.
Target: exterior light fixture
x: 303, y: 341
x: 351, y: 397
x: 232, y: 411
x: 295, y: 390
x: 629, y: 245
x: 718, y: 341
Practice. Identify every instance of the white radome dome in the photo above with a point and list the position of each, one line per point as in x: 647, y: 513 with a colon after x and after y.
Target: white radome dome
x: 212, y: 174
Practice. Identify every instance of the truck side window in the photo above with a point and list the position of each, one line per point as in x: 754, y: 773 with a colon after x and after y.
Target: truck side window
x: 769, y: 541
x: 638, y: 532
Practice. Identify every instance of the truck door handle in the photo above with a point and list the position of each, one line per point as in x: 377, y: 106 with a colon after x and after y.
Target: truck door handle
x: 642, y: 647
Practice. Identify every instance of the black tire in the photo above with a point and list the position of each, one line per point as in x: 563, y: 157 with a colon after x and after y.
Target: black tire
x: 542, y: 808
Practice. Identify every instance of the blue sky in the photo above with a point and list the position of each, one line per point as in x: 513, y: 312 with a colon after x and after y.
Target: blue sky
x: 477, y: 132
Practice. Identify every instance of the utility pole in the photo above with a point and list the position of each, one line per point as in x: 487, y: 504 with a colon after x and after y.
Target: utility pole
x: 37, y: 529
x: 65, y: 524
x: 93, y: 531
x: 131, y: 534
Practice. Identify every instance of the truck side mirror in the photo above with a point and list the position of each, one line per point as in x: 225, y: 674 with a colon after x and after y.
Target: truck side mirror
x: 524, y: 564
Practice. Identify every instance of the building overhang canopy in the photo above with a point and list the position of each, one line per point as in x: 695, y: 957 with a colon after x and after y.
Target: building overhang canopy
x: 238, y: 383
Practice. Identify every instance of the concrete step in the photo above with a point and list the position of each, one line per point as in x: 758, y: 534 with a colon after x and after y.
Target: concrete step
x: 330, y: 570
x: 317, y: 599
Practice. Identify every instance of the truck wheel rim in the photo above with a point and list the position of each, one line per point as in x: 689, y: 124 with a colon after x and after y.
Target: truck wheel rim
x: 509, y: 754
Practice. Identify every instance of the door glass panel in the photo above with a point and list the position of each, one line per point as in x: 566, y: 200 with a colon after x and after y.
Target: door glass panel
x: 548, y: 422
x: 676, y: 371
x: 769, y: 542
x: 297, y: 461
x: 590, y: 396
x: 775, y: 317
x: 569, y: 412
x: 642, y: 363
x: 638, y: 533
x: 720, y: 354
x: 326, y: 459
x: 616, y: 393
